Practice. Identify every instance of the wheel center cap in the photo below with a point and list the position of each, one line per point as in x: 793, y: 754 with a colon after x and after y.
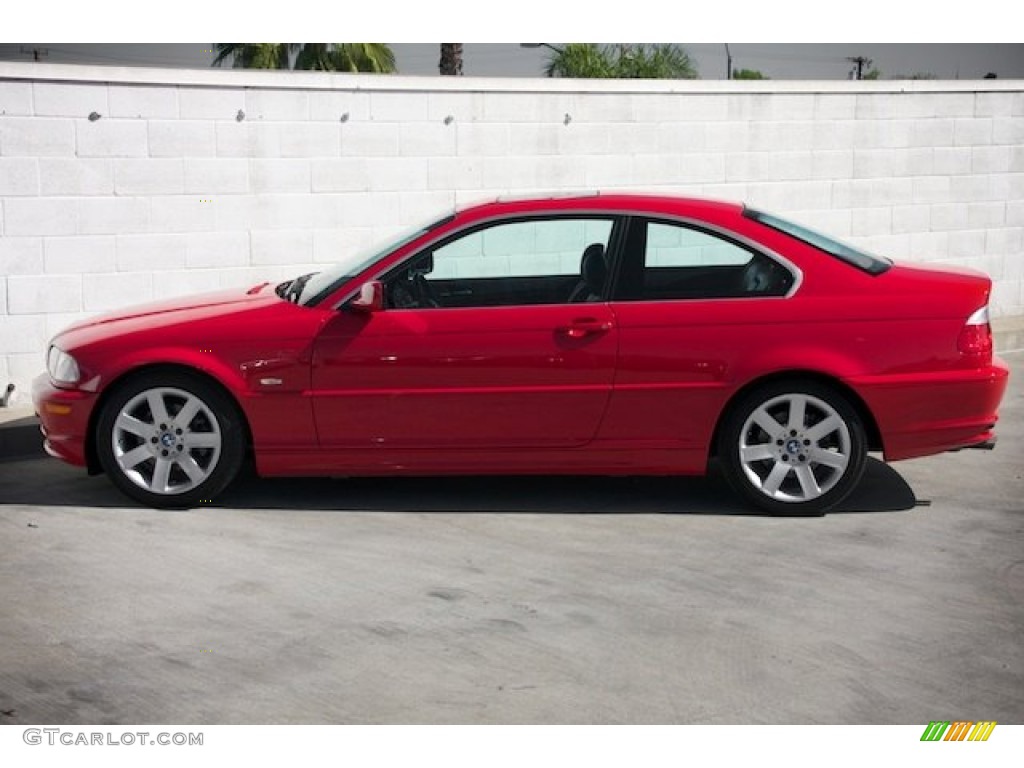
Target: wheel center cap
x: 793, y: 446
x: 167, y: 440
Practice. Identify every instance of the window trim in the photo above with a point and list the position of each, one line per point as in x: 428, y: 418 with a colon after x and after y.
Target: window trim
x: 622, y: 218
x: 617, y: 218
x: 714, y: 231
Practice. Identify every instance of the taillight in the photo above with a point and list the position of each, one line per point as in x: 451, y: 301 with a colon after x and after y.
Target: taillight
x: 975, y: 340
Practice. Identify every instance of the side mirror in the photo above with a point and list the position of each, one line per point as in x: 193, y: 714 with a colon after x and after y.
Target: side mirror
x: 370, y: 298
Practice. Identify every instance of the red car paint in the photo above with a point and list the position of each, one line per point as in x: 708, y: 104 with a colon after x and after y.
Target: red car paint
x: 611, y: 387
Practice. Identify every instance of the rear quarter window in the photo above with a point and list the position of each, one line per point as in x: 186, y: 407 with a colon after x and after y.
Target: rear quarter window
x: 855, y: 257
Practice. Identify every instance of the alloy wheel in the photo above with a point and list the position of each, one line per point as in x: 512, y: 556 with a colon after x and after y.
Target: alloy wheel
x: 795, y: 448
x: 166, y: 441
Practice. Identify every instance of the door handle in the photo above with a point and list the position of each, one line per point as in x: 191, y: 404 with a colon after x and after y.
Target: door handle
x: 585, y: 326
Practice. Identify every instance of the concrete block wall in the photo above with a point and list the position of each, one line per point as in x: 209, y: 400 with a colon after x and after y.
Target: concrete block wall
x: 195, y: 180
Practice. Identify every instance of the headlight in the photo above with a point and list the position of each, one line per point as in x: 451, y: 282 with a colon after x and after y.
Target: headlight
x: 62, y: 367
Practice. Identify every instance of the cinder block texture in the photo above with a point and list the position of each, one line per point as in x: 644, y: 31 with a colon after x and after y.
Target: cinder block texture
x: 180, y: 187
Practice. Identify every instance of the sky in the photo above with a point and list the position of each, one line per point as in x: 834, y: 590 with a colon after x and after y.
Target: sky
x: 827, y: 61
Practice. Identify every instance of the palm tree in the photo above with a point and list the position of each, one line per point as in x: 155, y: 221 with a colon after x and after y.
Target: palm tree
x: 656, y: 62
x: 331, y: 57
x: 580, y: 60
x: 346, y: 57
x: 451, y: 59
x: 364, y: 57
x: 255, y: 55
x: 660, y: 61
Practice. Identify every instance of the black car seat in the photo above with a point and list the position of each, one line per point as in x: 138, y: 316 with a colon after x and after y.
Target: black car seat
x: 763, y: 277
x: 593, y: 275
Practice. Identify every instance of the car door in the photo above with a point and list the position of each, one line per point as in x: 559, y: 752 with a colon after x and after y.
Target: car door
x: 689, y: 304
x: 478, y: 345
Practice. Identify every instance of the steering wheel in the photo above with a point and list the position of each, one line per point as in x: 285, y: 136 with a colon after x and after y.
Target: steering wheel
x: 402, y: 296
x: 424, y: 293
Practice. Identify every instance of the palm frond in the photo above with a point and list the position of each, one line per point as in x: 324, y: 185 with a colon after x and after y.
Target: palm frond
x: 345, y: 57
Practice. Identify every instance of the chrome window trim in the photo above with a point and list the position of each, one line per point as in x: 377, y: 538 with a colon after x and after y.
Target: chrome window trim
x: 746, y: 242
x: 490, y: 220
x: 610, y: 213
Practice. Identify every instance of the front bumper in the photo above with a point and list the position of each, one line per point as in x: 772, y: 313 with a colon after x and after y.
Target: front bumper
x: 920, y: 414
x: 63, y: 419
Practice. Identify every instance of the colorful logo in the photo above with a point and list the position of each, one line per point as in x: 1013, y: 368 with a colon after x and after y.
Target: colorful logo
x: 959, y: 730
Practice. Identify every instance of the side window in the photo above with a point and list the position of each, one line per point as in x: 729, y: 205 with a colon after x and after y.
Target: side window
x: 525, y: 261
x: 681, y: 262
x: 670, y: 246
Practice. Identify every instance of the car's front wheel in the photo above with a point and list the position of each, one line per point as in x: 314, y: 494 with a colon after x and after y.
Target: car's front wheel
x: 170, y: 439
x: 794, y: 448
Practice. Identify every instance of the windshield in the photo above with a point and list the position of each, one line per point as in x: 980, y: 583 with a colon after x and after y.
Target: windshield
x: 309, y: 289
x: 868, y: 262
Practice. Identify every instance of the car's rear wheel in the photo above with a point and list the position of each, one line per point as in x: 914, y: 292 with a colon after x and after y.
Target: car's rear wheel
x: 794, y: 448
x: 170, y: 439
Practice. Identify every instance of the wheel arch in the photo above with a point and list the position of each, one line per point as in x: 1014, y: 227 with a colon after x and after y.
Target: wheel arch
x: 91, y: 457
x: 871, y: 429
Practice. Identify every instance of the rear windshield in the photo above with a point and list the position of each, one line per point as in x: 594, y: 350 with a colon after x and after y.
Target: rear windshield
x: 874, y: 265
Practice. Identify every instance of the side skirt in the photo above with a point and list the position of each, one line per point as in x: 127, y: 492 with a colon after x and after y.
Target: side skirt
x: 580, y: 461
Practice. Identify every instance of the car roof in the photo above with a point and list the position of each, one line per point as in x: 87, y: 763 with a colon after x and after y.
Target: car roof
x: 600, y: 201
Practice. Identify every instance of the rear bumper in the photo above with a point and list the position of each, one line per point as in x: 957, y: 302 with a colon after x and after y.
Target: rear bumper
x: 920, y: 414
x: 63, y: 419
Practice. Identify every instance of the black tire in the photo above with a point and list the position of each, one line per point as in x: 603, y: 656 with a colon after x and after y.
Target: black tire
x: 791, y: 464
x: 191, y: 451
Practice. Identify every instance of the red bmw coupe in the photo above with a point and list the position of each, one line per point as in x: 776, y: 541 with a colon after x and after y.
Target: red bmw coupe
x: 603, y: 334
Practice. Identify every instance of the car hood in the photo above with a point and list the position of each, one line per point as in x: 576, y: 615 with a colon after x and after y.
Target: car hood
x: 200, y: 304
